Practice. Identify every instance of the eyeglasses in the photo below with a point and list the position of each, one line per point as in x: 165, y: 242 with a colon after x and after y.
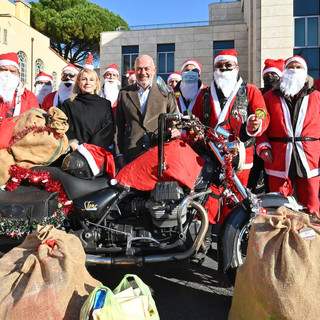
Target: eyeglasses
x: 227, y: 65
x: 68, y: 75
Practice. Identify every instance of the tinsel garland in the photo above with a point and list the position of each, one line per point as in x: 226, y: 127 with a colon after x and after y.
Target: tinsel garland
x: 36, y: 129
x: 18, y: 228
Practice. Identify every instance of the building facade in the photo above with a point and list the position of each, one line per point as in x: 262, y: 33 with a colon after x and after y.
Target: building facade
x: 32, y: 47
x: 257, y: 29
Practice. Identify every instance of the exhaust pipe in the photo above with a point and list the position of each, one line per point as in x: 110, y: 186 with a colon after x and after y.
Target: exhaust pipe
x: 131, y: 260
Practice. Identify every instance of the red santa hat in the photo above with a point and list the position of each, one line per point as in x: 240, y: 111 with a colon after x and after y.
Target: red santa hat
x: 89, y: 63
x: 193, y: 62
x: 130, y: 74
x: 227, y: 55
x: 271, y: 65
x: 9, y: 59
x: 96, y: 157
x: 174, y: 75
x: 111, y: 68
x: 44, y: 77
x: 71, y: 67
x: 297, y: 59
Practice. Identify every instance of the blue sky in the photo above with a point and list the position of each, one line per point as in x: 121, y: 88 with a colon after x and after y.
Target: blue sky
x: 146, y: 12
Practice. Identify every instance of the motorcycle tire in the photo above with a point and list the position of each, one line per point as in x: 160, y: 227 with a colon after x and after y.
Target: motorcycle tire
x: 240, y: 246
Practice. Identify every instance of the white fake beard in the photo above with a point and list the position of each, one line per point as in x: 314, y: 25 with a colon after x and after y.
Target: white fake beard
x: 226, y: 81
x: 65, y: 92
x: 111, y: 90
x: 189, y: 90
x: 8, y: 85
x: 292, y: 81
x: 41, y: 90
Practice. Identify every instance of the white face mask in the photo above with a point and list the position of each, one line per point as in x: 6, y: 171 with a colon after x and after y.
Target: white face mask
x: 111, y: 90
x: 41, y: 90
x: 8, y: 85
x: 292, y: 81
x: 226, y: 80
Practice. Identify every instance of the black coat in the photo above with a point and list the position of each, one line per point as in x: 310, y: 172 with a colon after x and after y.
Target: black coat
x: 90, y: 119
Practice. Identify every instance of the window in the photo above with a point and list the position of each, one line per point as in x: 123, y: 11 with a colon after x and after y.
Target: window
x: 5, y: 36
x: 23, y: 66
x: 312, y: 57
x: 306, y: 31
x: 38, y: 66
x: 129, y: 55
x: 54, y: 81
x: 306, y: 7
x: 165, y: 60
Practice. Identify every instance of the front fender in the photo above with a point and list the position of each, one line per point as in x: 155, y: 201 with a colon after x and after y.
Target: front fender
x: 236, y: 218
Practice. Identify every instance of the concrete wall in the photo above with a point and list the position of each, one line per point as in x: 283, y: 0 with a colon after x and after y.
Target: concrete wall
x: 277, y: 29
x: 20, y: 37
x: 190, y: 42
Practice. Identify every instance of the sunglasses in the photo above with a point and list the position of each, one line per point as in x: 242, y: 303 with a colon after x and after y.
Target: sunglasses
x: 69, y: 75
x: 227, y: 65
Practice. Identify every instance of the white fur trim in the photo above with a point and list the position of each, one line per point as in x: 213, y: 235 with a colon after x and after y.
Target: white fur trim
x: 111, y: 70
x: 89, y: 158
x: 261, y: 145
x: 88, y: 66
x: 272, y: 69
x: 297, y: 59
x: 71, y: 69
x: 9, y: 63
x: 225, y: 57
x: 43, y: 78
x: 193, y: 63
x: 174, y: 76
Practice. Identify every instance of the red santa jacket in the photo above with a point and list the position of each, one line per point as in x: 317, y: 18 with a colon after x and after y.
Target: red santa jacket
x: 23, y: 100
x: 306, y: 124
x: 48, y: 101
x: 255, y: 100
x: 317, y: 84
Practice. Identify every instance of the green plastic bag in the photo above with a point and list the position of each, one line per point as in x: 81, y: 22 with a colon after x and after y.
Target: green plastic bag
x: 125, y: 284
x: 110, y: 308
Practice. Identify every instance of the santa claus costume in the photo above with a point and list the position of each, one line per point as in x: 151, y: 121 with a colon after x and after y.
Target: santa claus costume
x: 14, y: 97
x: 110, y: 88
x: 293, y: 137
x: 43, y: 86
x: 317, y: 84
x: 56, y: 98
x: 244, y: 100
x: 187, y: 93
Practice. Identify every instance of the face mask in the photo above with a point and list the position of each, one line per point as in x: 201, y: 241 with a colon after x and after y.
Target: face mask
x: 190, y: 76
x: 269, y: 81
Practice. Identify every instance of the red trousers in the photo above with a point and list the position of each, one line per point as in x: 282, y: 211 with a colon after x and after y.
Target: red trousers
x: 213, y: 204
x: 307, y: 190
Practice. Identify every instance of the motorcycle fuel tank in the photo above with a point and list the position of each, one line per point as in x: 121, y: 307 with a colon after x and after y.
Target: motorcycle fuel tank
x: 92, y: 206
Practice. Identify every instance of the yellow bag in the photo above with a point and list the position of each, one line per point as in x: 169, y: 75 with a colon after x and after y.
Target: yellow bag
x: 124, y: 303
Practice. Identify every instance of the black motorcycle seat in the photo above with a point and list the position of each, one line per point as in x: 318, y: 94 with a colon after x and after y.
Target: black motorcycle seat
x: 76, y: 187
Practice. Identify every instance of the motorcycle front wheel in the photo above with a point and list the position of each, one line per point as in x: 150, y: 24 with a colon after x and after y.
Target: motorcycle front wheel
x: 240, y: 246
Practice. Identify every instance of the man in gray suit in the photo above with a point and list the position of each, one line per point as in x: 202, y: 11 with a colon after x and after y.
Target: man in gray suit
x: 139, y: 106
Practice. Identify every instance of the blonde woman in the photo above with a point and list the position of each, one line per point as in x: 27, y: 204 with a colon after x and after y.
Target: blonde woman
x: 89, y: 116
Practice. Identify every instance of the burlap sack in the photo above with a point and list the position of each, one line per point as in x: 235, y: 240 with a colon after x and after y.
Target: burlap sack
x: 45, y: 277
x: 280, y: 277
x: 35, y: 148
x: 40, y: 148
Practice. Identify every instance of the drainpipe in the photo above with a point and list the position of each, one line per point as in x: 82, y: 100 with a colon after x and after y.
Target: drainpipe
x: 32, y: 40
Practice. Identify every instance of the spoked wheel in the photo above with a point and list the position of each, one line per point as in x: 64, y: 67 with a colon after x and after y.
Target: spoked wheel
x: 240, y: 247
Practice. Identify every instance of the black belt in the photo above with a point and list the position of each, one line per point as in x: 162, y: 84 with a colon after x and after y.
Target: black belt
x: 292, y: 139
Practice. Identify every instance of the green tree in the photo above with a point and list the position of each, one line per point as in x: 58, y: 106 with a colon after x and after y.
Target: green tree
x: 73, y: 26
